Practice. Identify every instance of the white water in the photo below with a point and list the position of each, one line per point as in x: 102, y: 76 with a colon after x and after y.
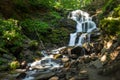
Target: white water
x: 72, y: 39
x: 85, y: 25
x: 46, y: 63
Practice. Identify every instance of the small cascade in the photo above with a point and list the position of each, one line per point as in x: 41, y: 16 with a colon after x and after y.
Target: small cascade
x: 81, y: 39
x: 72, y: 39
x: 43, y: 66
x: 85, y: 25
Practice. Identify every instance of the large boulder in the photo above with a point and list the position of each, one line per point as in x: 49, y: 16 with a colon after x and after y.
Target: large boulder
x: 78, y: 51
x: 70, y: 24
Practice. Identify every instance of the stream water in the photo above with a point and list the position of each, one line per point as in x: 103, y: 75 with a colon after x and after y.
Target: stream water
x: 85, y: 26
x: 47, y: 64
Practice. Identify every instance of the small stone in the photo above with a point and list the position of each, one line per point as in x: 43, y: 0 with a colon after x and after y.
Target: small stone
x: 54, y: 78
x: 66, y: 59
x: 56, y: 56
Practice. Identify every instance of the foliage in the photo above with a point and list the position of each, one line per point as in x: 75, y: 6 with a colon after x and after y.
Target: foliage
x: 74, y: 4
x: 52, y: 18
x: 33, y: 44
x: 35, y: 29
x: 14, y: 64
x: 116, y: 12
x: 111, y: 26
x: 11, y: 37
x: 59, y: 36
x: 109, y: 6
x: 34, y: 25
x: 57, y: 4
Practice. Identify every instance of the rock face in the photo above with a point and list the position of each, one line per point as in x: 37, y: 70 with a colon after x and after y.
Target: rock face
x: 78, y: 51
x: 70, y: 24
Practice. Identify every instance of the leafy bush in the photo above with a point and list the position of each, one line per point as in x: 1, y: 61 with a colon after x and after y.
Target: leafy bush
x: 116, y: 12
x: 59, y: 36
x: 52, y: 18
x: 11, y: 37
x: 109, y: 6
x: 35, y: 29
x: 111, y: 26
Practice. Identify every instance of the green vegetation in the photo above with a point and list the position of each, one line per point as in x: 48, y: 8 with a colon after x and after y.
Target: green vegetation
x: 14, y: 65
x: 10, y: 34
x: 25, y: 25
x: 111, y: 24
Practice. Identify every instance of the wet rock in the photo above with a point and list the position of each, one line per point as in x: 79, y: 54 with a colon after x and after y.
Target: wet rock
x: 20, y: 70
x: 44, y: 76
x: 78, y: 51
x: 61, y: 75
x: 87, y: 59
x: 65, y: 59
x: 97, y: 63
x: 23, y: 65
x: 67, y: 65
x: 54, y: 78
x: 93, y: 57
x: 79, y: 77
x: 97, y: 47
x: 56, y: 56
x: 21, y: 76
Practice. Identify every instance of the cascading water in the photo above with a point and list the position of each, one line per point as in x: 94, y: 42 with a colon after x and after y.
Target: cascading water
x: 45, y: 65
x: 72, y: 39
x: 85, y: 25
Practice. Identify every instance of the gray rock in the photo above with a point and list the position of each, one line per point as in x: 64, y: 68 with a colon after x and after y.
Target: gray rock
x: 8, y: 56
x: 43, y: 76
x: 97, y: 64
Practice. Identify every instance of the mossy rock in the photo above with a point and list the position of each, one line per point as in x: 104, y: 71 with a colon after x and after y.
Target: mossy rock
x: 14, y: 64
x: 33, y: 44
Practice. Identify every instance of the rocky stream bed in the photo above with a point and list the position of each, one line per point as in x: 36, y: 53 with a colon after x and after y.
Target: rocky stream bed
x: 84, y: 67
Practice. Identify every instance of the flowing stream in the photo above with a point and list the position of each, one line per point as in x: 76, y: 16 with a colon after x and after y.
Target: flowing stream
x: 47, y: 64
x: 85, y: 26
x: 42, y: 66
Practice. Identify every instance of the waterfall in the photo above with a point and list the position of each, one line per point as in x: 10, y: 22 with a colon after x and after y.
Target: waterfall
x: 72, y: 39
x: 85, y: 25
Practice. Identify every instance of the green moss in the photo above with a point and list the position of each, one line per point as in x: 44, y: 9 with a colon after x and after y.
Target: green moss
x: 59, y: 36
x: 33, y: 44
x: 111, y: 26
x: 14, y: 64
x: 116, y: 12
